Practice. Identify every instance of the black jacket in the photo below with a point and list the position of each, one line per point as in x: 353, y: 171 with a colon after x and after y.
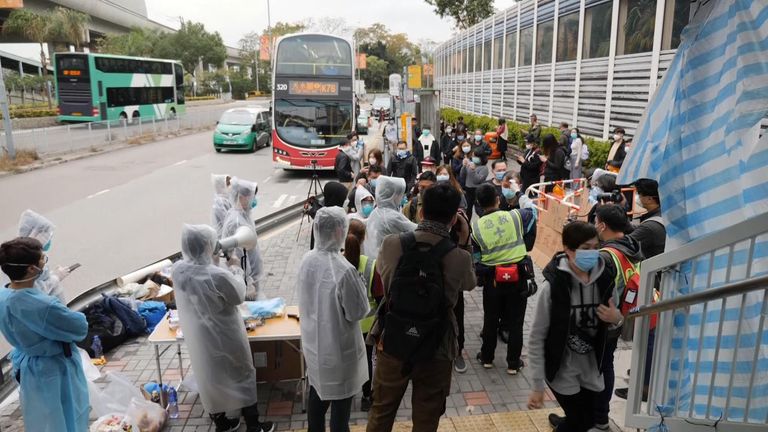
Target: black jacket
x: 651, y: 235
x: 555, y: 166
x: 560, y: 326
x: 530, y: 169
x: 406, y: 169
x: 343, y: 167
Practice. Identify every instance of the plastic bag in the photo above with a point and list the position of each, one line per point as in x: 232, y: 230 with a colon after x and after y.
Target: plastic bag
x: 115, y: 396
x: 263, y: 309
x: 146, y: 416
x: 113, y: 423
x: 91, y: 372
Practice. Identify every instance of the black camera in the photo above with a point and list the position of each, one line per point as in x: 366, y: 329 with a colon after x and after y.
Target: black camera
x: 614, y: 196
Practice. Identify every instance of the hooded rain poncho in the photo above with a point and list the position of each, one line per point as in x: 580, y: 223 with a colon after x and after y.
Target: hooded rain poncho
x: 361, y: 193
x: 242, y: 193
x: 207, y: 298
x: 221, y: 203
x: 37, y: 226
x: 386, y: 218
x: 332, y: 301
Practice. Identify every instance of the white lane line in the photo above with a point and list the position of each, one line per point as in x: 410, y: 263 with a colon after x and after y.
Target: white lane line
x: 180, y: 163
x: 266, y: 180
x: 98, y: 193
x: 280, y: 201
x: 291, y: 200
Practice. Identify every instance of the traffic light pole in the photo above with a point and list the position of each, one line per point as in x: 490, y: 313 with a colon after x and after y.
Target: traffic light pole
x: 7, y: 124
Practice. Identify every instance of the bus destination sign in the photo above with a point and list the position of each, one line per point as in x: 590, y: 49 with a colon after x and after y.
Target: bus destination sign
x: 313, y: 88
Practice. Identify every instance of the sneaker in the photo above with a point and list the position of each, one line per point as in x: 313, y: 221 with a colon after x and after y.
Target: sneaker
x: 485, y: 364
x: 459, y: 365
x: 556, y: 420
x: 601, y: 427
x: 224, y: 424
x: 515, y: 370
x: 365, y: 403
x: 262, y: 427
x: 623, y: 393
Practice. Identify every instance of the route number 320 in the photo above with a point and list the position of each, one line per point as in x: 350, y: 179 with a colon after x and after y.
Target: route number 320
x: 281, y: 87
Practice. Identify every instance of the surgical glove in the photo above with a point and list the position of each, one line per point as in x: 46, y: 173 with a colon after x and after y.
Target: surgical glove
x: 61, y: 272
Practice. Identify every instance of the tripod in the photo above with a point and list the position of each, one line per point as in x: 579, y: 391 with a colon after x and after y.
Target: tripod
x: 315, y: 188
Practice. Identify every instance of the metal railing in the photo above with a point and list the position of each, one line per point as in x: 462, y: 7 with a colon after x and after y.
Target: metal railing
x: 53, y: 141
x: 709, y: 362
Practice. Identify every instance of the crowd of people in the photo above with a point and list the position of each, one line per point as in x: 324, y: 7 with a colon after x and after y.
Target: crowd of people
x: 395, y: 245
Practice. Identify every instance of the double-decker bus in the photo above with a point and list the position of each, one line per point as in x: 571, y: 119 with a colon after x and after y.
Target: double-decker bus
x: 94, y: 87
x: 312, y: 100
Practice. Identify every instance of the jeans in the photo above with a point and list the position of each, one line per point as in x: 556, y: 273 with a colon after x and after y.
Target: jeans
x: 431, y: 385
x: 603, y: 402
x: 316, y: 409
x: 579, y: 410
x: 507, y: 298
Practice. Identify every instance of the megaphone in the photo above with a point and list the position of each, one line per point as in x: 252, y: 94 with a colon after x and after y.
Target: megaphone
x: 244, y: 238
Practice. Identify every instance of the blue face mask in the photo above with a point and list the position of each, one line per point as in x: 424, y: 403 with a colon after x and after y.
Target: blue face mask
x: 404, y: 201
x: 366, y: 210
x: 574, y: 136
x: 499, y: 175
x: 402, y: 154
x: 475, y: 160
x: 372, y: 182
x: 508, y: 193
x: 443, y: 177
x: 459, y: 137
x: 254, y: 202
x: 478, y: 137
x: 586, y: 259
x: 593, y: 194
x: 47, y: 245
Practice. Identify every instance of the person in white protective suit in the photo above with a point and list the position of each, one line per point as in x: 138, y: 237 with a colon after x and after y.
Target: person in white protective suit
x: 221, y: 203
x: 332, y: 301
x: 386, y: 218
x: 35, y: 225
x: 364, y: 204
x: 207, y: 297
x: 242, y: 196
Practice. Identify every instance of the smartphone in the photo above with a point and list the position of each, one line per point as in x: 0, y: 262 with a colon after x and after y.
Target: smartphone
x: 74, y: 267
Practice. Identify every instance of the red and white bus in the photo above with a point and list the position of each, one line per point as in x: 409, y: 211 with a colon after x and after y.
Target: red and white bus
x: 312, y: 100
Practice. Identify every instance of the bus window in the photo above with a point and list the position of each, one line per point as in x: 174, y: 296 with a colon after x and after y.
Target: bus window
x: 314, y: 55
x: 308, y: 123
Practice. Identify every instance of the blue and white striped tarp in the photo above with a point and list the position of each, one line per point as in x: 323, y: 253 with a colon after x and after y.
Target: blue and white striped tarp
x: 700, y: 138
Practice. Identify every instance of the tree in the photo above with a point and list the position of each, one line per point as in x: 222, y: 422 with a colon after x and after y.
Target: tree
x: 69, y: 26
x: 329, y: 25
x: 32, y: 26
x: 139, y: 42
x: 465, y: 13
x: 396, y: 50
x: 250, y: 47
x: 191, y: 44
x: 375, y: 75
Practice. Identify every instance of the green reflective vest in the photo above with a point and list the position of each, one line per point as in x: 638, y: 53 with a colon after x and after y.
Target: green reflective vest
x: 366, y: 269
x: 500, y: 237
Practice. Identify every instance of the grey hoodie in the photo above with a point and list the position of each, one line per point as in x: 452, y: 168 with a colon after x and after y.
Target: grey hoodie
x: 576, y: 370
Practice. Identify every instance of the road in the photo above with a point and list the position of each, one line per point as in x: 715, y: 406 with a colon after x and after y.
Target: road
x: 118, y: 211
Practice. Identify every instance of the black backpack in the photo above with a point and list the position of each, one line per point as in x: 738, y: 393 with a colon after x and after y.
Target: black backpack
x: 415, y: 318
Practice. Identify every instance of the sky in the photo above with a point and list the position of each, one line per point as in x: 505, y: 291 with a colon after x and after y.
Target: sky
x: 234, y: 18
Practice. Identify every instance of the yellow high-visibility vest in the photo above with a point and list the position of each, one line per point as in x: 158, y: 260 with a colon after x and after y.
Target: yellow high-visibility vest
x: 366, y: 269
x: 500, y: 237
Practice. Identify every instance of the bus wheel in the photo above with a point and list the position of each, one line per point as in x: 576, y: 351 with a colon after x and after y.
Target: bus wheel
x: 123, y: 118
x: 135, y: 117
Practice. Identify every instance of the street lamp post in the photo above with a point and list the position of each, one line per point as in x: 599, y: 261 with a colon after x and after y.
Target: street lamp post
x: 7, y: 124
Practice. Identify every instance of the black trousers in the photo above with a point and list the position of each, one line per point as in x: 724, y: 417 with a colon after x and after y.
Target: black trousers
x: 469, y: 194
x: 507, y: 298
x: 579, y: 410
x: 458, y: 310
x: 603, y: 399
x: 316, y: 409
x: 369, y: 354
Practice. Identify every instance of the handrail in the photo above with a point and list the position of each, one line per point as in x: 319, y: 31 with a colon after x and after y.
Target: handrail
x: 706, y: 295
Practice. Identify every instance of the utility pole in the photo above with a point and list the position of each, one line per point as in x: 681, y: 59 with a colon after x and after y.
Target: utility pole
x: 7, y: 124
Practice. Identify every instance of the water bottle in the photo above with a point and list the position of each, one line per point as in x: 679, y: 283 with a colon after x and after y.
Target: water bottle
x: 173, y: 403
x: 98, y: 352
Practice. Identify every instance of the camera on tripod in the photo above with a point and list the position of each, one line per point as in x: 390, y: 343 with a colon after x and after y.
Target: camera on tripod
x: 615, y: 196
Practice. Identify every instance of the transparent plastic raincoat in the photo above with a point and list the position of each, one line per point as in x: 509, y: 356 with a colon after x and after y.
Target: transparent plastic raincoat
x: 221, y: 202
x: 332, y: 301
x: 242, y: 194
x: 386, y: 218
x: 35, y: 225
x: 207, y: 298
x: 361, y: 193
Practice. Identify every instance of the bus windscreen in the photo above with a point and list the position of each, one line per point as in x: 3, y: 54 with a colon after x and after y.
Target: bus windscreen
x: 313, y: 124
x: 314, y: 55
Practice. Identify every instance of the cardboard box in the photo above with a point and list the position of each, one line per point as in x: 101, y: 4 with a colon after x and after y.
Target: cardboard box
x: 276, y: 361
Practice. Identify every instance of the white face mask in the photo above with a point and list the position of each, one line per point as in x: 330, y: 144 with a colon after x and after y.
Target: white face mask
x: 617, y: 137
x: 638, y: 202
x: 372, y: 161
x: 529, y: 146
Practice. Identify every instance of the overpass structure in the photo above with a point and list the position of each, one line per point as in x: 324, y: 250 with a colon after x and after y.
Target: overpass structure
x: 107, y: 16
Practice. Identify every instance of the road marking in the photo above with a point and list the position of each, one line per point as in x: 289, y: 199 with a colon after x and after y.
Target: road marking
x: 291, y: 200
x: 280, y: 201
x: 266, y: 180
x: 98, y: 193
x: 180, y: 163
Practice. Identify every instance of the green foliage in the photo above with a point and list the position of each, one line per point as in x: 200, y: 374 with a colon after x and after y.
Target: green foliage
x: 465, y: 13
x: 387, y: 53
x: 139, y: 42
x: 200, y: 98
x: 598, y: 149
x: 375, y: 75
x: 30, y: 112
